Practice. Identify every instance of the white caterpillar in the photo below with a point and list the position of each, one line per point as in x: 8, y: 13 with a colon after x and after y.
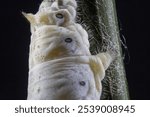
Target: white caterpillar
x: 60, y: 63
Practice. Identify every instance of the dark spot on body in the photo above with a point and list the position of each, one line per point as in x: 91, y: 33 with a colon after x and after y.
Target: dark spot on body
x: 82, y: 83
x: 59, y: 15
x: 68, y: 40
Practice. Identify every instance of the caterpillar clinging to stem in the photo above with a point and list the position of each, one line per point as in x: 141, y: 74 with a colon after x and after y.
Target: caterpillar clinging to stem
x: 60, y: 63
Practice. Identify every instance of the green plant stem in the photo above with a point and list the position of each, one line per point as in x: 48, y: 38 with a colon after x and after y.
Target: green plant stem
x: 99, y: 18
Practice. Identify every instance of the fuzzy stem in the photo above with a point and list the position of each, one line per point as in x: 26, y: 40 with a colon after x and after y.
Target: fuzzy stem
x: 99, y: 18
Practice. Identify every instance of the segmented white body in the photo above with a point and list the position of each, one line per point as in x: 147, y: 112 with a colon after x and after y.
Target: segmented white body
x: 60, y: 63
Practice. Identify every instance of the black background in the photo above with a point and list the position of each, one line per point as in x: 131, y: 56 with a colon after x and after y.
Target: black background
x: 15, y: 38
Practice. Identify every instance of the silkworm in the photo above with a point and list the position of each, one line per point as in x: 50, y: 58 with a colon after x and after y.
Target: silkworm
x: 60, y: 63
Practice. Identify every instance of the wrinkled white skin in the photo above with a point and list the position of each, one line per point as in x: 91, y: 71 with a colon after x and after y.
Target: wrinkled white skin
x: 60, y: 63
x: 55, y: 5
